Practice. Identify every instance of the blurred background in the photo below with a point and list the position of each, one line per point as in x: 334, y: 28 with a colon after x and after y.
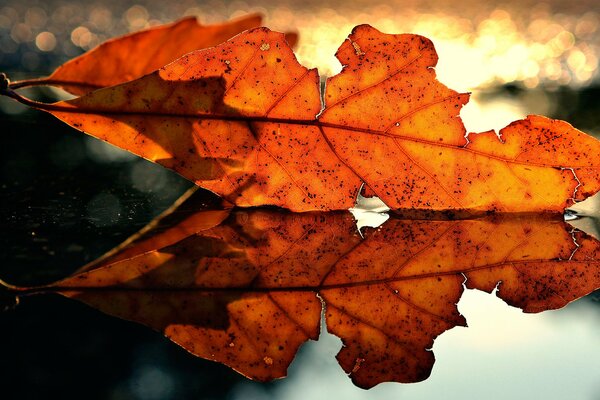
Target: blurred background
x: 65, y: 199
x: 516, y: 56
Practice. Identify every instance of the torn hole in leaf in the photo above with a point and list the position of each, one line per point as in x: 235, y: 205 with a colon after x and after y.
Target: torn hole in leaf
x: 369, y: 211
x: 585, y: 215
x: 480, y: 115
x: 589, y: 225
x: 587, y: 208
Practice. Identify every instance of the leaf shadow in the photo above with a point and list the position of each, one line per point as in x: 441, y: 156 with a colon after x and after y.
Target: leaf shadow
x: 193, y: 131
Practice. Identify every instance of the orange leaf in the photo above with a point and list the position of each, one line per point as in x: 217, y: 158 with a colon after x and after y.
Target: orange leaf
x: 240, y: 119
x: 244, y: 293
x: 134, y: 55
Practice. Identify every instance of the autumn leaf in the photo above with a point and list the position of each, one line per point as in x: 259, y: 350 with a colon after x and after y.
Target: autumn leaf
x: 134, y: 55
x: 244, y: 120
x: 248, y: 292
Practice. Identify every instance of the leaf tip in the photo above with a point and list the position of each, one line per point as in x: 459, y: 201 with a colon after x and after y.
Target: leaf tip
x: 291, y: 38
x: 363, y: 28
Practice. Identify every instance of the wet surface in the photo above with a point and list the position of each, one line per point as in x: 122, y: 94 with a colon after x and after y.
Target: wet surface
x: 245, y: 287
x: 221, y: 277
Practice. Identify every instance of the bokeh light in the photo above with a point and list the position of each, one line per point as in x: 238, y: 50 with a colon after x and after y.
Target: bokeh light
x: 45, y: 41
x: 480, y: 45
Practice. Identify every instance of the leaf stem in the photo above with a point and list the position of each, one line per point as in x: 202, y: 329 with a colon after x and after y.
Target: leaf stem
x: 47, y: 81
x: 28, y: 83
x: 6, y: 90
x: 11, y: 288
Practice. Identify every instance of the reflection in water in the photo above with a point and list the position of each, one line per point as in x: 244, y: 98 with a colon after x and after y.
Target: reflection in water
x: 502, y: 354
x: 242, y: 290
x: 589, y: 212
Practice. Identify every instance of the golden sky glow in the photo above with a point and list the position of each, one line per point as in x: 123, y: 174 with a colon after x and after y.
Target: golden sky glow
x: 480, y: 45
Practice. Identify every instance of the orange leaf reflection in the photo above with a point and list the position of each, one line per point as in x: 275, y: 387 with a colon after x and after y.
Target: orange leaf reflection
x: 249, y: 291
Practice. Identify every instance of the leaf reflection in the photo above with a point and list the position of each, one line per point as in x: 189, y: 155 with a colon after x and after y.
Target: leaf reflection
x: 246, y: 287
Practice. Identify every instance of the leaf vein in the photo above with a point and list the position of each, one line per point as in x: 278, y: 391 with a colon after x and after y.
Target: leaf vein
x: 387, y: 77
x: 286, y: 92
x: 288, y: 316
x: 421, y: 108
x: 406, y: 346
x: 262, y: 146
x: 433, y: 177
x: 409, y: 303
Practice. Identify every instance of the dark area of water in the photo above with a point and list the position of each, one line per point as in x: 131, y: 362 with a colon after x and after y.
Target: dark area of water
x: 56, y: 348
x: 61, y: 207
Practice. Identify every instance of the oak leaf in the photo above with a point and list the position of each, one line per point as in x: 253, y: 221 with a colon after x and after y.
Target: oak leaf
x: 245, y: 120
x: 248, y: 292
